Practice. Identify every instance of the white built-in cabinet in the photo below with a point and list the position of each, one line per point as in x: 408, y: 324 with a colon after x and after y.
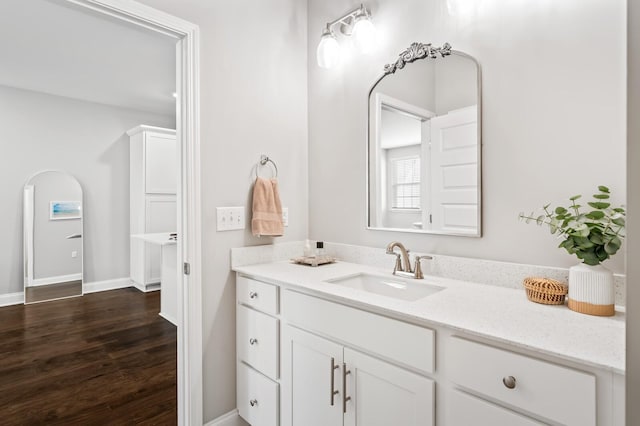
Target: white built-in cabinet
x: 307, y: 361
x: 153, y: 182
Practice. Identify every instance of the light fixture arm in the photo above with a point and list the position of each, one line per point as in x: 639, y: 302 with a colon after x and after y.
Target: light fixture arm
x: 347, y: 20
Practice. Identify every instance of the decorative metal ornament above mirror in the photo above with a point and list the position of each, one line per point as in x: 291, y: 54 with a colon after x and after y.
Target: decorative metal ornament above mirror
x: 424, y: 144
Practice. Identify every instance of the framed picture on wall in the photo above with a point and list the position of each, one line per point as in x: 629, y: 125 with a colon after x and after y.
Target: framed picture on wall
x: 64, y: 210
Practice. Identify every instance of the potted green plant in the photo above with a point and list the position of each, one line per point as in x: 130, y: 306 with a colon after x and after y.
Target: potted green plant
x: 593, y: 235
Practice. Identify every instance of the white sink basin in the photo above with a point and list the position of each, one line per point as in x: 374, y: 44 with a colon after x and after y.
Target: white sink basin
x: 397, y: 288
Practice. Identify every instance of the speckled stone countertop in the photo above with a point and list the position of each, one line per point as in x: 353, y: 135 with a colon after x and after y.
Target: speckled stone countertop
x: 497, y: 313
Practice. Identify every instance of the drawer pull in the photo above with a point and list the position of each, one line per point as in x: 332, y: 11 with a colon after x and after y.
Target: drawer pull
x: 253, y: 402
x: 509, y: 382
x: 253, y: 295
x: 334, y: 392
x: 345, y: 398
x: 253, y: 341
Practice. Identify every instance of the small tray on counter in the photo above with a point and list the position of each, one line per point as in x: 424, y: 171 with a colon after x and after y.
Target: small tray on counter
x: 314, y: 260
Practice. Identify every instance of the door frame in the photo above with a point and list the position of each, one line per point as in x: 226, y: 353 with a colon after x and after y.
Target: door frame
x: 190, y: 399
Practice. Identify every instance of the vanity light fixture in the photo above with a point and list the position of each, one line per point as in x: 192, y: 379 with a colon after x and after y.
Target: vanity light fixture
x: 356, y: 23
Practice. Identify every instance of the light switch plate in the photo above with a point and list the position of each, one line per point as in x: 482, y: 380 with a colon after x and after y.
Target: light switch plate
x: 230, y: 218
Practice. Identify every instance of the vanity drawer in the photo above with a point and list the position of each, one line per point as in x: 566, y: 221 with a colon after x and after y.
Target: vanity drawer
x: 257, y: 340
x: 465, y: 409
x: 256, y: 397
x: 258, y: 295
x: 404, y: 343
x: 558, y: 393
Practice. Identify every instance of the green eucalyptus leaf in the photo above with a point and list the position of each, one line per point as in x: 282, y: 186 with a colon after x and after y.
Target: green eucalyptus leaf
x: 602, y: 254
x: 603, y: 188
x: 596, y: 239
x: 590, y: 258
x: 599, y: 205
x: 560, y: 210
x: 540, y: 220
x: 595, y: 215
x: 575, y: 197
x: 619, y: 221
x: 601, y: 196
x: 611, y: 248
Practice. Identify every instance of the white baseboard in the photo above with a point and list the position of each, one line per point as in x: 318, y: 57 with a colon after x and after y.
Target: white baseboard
x: 169, y: 318
x: 11, y: 299
x: 147, y: 288
x: 232, y: 418
x: 106, y: 285
x: 54, y: 280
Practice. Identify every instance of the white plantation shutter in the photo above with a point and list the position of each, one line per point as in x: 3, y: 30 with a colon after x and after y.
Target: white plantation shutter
x: 406, y: 183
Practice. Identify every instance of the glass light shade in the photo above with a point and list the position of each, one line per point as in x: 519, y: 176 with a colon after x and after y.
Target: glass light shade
x: 364, y: 35
x: 328, y: 53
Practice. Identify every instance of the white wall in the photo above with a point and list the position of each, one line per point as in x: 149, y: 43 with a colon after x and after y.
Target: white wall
x: 553, y: 76
x: 87, y: 140
x: 253, y: 101
x: 633, y: 217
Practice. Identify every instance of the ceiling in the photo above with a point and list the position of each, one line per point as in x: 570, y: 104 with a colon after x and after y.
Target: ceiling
x: 51, y: 47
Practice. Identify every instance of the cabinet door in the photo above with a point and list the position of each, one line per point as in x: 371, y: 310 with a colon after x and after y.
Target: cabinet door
x: 161, y: 216
x: 311, y: 380
x: 382, y: 394
x: 161, y: 164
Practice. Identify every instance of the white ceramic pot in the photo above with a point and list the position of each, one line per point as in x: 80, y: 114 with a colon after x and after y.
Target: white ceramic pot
x: 591, y: 290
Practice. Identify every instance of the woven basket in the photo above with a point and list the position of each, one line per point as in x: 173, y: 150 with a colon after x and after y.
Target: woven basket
x: 545, y: 290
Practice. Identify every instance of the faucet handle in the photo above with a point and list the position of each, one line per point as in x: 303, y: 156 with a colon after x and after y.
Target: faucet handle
x: 398, y: 265
x: 418, y: 271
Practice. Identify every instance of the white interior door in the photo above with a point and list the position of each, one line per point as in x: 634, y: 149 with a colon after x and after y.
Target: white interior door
x: 454, y: 171
x: 383, y: 394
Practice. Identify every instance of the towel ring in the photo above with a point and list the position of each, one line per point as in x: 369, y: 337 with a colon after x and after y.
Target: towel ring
x: 263, y: 162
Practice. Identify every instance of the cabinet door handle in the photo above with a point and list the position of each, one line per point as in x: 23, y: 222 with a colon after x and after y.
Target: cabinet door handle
x: 334, y: 367
x: 509, y: 382
x: 253, y: 341
x: 345, y: 398
x: 253, y: 402
x: 253, y: 295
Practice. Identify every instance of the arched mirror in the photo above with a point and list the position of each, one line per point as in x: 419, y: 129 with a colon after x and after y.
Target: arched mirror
x: 424, y: 145
x: 52, y: 237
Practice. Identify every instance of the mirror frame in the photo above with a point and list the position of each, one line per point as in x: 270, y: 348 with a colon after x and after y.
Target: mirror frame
x: 418, y: 51
x: 28, y: 260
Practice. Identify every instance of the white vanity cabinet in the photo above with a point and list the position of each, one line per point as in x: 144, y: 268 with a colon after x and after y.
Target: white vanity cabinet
x: 322, y: 362
x: 153, y: 183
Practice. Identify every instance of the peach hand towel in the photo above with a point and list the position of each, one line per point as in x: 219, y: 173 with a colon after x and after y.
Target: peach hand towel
x: 267, y: 210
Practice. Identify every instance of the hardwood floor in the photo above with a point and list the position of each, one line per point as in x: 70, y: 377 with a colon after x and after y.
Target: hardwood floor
x: 104, y: 358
